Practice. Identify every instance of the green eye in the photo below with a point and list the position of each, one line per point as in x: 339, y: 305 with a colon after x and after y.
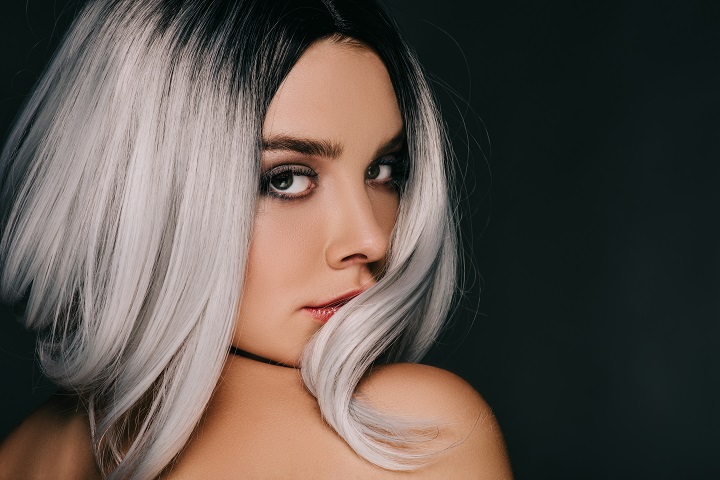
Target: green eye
x: 282, y: 181
x: 379, y: 172
x: 373, y: 171
x: 288, y: 181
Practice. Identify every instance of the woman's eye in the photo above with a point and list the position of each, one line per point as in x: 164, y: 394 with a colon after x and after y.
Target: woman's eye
x: 379, y: 172
x: 288, y: 181
x: 389, y: 170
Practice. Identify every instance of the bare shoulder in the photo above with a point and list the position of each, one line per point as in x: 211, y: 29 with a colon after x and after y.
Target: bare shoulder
x: 53, y: 442
x: 422, y: 389
x: 470, y: 438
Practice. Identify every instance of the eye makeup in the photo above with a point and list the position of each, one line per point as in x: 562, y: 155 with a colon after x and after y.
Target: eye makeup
x: 290, y: 181
x: 284, y: 180
x: 397, y: 162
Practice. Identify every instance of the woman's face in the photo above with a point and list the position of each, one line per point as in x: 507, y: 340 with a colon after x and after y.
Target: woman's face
x: 331, y: 166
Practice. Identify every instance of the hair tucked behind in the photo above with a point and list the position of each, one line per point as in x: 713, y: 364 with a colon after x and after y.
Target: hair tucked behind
x: 130, y: 181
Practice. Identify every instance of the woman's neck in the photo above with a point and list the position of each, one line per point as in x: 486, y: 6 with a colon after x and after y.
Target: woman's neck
x: 242, y: 353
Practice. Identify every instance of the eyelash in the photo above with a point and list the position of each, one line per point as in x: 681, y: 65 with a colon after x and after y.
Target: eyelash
x: 397, y: 180
x: 296, y: 170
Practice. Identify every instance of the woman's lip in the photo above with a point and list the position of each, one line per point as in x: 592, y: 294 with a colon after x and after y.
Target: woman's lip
x: 339, y: 300
x: 323, y: 311
x: 322, y: 314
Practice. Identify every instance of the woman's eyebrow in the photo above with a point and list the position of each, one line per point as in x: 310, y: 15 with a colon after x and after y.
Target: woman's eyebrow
x: 321, y: 148
x: 304, y: 146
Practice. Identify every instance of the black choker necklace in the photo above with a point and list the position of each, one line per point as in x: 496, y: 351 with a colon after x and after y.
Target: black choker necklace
x: 242, y: 353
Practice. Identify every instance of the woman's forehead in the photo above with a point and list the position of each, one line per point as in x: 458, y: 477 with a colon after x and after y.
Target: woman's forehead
x: 338, y: 94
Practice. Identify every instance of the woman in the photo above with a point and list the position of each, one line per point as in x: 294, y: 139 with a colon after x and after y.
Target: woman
x: 194, y: 178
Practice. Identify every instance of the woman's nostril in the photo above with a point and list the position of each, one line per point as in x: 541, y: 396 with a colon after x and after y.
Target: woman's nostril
x: 356, y: 257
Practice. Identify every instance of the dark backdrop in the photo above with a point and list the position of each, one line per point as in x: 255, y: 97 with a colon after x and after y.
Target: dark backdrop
x: 588, y: 147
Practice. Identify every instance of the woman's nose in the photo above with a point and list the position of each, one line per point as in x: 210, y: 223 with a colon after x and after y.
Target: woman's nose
x: 359, y: 233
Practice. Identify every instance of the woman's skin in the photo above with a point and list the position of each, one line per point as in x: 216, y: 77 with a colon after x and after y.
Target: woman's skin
x: 327, y: 240
x: 328, y: 236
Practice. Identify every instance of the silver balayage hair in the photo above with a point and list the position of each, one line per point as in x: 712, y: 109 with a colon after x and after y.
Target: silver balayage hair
x: 129, y: 184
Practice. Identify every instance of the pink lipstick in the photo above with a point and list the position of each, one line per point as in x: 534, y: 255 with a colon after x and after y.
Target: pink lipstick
x: 326, y: 309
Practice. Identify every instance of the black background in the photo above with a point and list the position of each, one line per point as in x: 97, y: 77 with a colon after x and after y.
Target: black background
x: 587, y: 137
